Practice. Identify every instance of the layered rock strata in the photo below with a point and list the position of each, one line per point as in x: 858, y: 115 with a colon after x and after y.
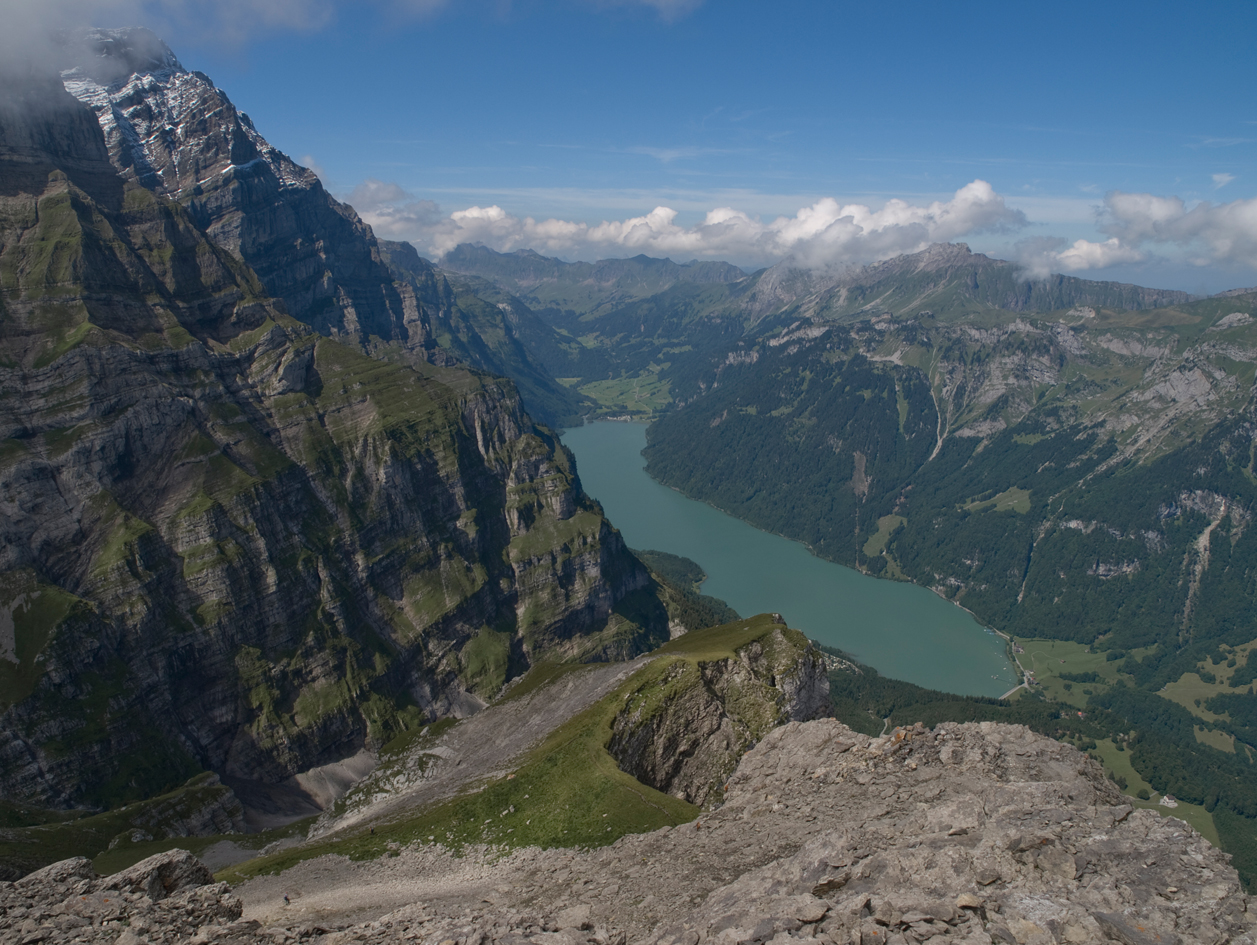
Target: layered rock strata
x: 228, y: 543
x: 967, y: 833
x: 173, y: 132
x: 685, y: 733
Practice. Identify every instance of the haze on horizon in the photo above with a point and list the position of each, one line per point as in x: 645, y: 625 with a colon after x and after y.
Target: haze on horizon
x: 1113, y: 141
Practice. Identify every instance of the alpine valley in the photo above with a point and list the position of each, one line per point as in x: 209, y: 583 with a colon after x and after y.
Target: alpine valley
x: 299, y: 585
x: 1073, y: 461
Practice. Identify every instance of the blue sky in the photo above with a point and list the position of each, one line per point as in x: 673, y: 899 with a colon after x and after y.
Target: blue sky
x: 581, y: 112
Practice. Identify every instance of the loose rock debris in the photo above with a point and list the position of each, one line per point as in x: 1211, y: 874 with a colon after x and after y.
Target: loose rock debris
x: 976, y: 833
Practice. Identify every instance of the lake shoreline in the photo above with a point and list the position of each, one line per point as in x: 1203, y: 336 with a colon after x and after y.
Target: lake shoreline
x: 891, y: 625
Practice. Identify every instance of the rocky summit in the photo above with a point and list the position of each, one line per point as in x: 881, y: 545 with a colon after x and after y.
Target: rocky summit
x: 975, y: 833
x: 173, y: 132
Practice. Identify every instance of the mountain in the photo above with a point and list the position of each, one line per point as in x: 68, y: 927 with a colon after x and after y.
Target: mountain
x: 946, y: 280
x: 231, y: 544
x: 478, y: 325
x: 582, y: 288
x: 174, y: 133
x: 646, y: 325
x: 1081, y: 480
x: 1070, y: 460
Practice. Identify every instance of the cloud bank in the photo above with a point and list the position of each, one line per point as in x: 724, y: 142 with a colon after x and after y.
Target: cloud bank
x: 1205, y: 234
x: 824, y: 234
x: 29, y: 24
x: 1140, y: 227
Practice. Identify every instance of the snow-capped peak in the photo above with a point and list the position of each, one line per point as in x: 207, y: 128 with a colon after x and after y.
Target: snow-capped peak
x: 112, y: 56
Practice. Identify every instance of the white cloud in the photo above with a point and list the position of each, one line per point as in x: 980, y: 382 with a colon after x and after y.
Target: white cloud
x: 668, y: 155
x: 1209, y: 233
x: 374, y: 194
x: 417, y: 8
x: 826, y: 233
x: 1221, y: 180
x: 1043, y: 255
x: 393, y: 212
x: 1084, y: 254
x: 1201, y: 235
x: 308, y: 160
x: 29, y: 25
x: 668, y: 9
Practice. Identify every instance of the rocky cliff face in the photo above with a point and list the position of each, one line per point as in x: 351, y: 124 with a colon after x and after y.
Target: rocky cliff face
x: 684, y: 734
x: 228, y: 543
x: 176, y: 134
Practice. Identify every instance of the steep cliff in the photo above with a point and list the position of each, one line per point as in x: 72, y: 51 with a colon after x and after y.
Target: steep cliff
x: 683, y: 731
x: 228, y: 543
x: 173, y: 132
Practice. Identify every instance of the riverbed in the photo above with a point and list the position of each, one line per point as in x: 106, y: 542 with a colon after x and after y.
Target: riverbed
x: 904, y: 631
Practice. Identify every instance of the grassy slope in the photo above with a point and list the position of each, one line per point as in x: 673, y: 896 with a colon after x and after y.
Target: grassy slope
x: 1051, y: 660
x: 34, y: 837
x: 567, y: 791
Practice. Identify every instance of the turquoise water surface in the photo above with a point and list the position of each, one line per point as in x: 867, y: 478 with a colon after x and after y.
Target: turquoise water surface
x: 905, y: 631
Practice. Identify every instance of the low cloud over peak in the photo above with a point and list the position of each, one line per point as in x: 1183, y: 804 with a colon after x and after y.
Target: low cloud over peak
x: 1140, y: 223
x: 826, y: 233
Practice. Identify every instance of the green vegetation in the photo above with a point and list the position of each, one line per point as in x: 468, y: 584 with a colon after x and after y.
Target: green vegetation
x: 886, y: 525
x: 557, y: 536
x: 1014, y: 499
x: 117, y: 838
x: 640, y: 397
x: 30, y: 613
x: 679, y: 579
x: 485, y: 658
x: 568, y: 791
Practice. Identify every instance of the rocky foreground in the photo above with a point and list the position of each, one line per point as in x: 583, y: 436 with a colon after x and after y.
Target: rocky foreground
x: 967, y: 833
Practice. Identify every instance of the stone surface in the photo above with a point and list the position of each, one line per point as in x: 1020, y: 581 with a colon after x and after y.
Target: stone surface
x: 826, y: 837
x: 162, y: 875
x: 167, y: 898
x: 688, y: 743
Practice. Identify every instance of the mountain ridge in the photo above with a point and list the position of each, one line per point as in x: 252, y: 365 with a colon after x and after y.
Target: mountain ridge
x: 175, y: 133
x: 233, y: 544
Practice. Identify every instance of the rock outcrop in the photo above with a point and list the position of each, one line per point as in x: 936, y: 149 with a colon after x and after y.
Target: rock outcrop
x: 154, y: 901
x: 173, y: 132
x: 228, y: 543
x: 685, y: 733
x: 967, y: 833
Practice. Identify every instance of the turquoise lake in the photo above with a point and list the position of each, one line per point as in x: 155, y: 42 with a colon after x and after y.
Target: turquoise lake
x: 903, y: 630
